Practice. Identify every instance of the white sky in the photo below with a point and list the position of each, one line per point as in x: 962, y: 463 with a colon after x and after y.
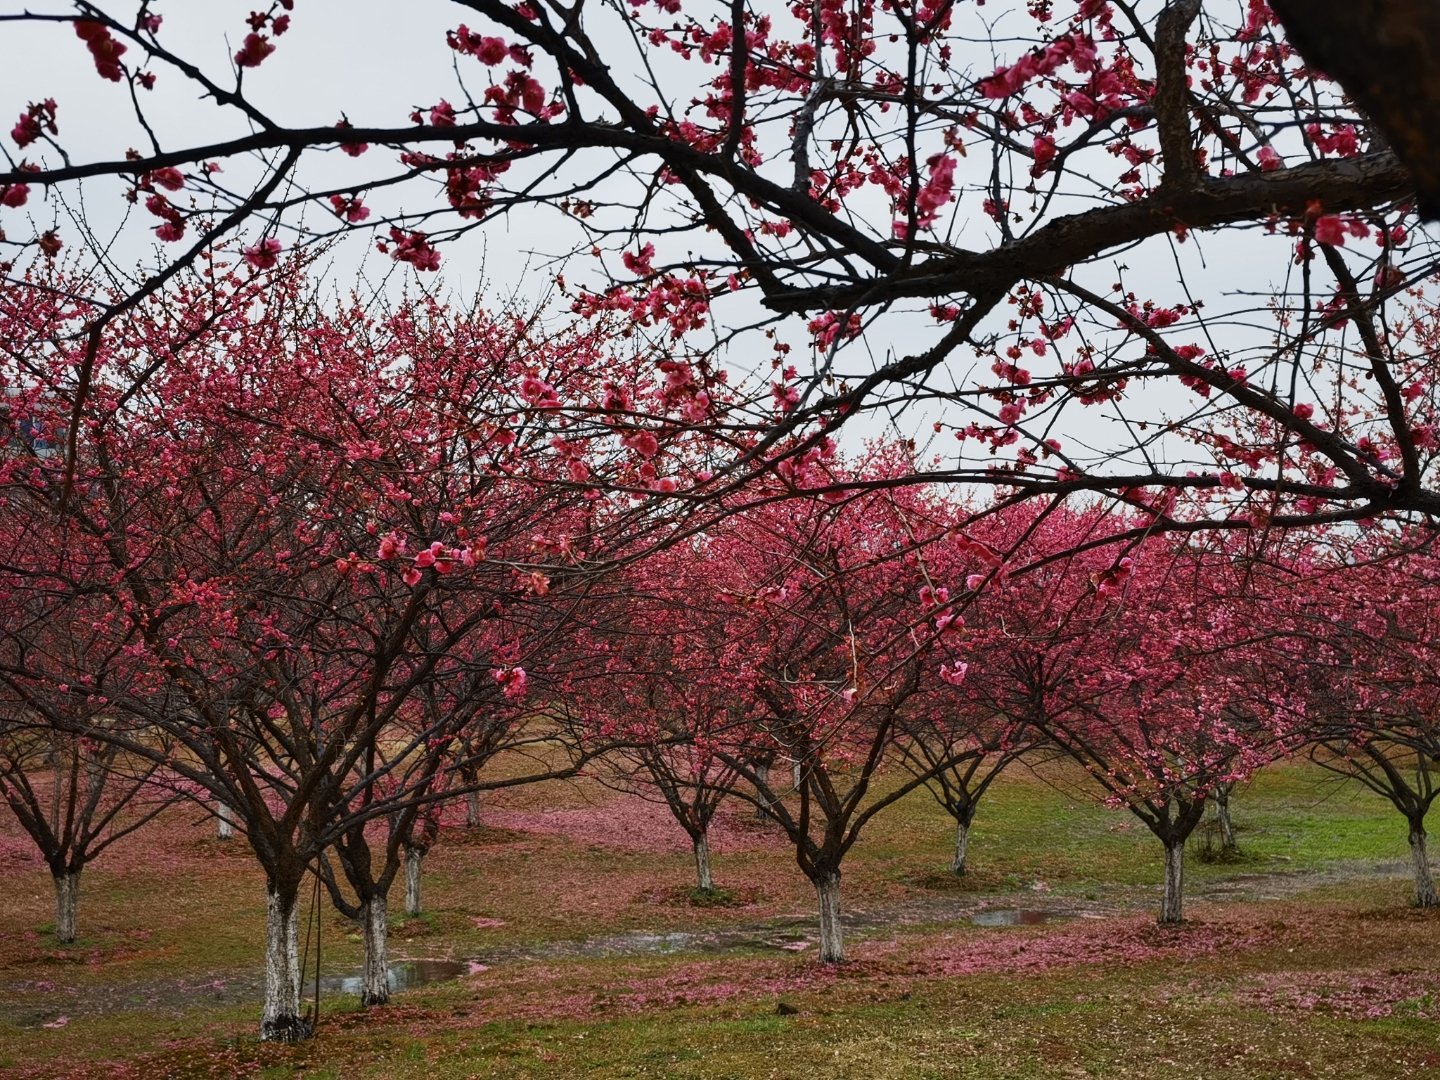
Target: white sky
x: 376, y: 61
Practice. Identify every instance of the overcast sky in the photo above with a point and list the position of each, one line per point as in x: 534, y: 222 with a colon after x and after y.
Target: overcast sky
x: 375, y: 61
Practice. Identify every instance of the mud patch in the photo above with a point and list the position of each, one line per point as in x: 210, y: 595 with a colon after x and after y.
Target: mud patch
x: 1017, y: 917
x: 406, y: 975
x: 685, y: 896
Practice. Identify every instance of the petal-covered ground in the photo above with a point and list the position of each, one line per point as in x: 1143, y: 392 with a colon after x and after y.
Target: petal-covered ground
x: 588, y: 956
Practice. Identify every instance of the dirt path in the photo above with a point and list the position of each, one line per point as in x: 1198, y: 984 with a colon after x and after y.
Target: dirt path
x: 35, y: 1003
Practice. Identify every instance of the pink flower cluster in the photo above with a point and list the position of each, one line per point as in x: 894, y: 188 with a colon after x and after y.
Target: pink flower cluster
x: 34, y: 122
x: 936, y: 193
x: 104, y: 49
x: 1077, y: 49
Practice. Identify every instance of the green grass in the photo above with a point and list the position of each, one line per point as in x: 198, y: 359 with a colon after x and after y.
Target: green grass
x: 890, y: 1015
x: 1291, y: 817
x: 994, y: 1029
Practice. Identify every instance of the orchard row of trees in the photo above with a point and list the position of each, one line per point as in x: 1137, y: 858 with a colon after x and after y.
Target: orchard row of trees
x: 844, y: 636
x: 322, y: 572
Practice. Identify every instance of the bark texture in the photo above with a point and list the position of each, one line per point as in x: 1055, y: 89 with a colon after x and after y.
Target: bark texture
x: 762, y: 776
x: 67, y: 900
x: 374, y: 929
x: 280, y: 1020
x: 832, y: 937
x: 962, y: 847
x: 702, y: 862
x: 1227, y: 826
x: 472, y: 809
x: 1172, y: 902
x: 1386, y: 54
x: 1420, y: 863
x: 414, y: 875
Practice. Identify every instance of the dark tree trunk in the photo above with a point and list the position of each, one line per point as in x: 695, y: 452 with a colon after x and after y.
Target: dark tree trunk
x: 472, y: 809
x: 702, y: 862
x: 67, y: 900
x: 962, y: 847
x: 1172, y: 902
x: 762, y: 808
x: 1222, y: 817
x: 374, y: 932
x: 1420, y: 863
x: 414, y: 876
x: 1386, y: 54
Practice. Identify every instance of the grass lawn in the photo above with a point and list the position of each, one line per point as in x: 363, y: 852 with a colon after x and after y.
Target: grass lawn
x: 1302, y: 959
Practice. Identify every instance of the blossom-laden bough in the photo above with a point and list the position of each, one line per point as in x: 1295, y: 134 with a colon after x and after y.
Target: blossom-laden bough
x: 899, y: 202
x: 313, y: 554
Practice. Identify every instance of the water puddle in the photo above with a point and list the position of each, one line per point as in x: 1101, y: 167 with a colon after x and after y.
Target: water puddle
x: 34, y: 1003
x: 409, y: 974
x: 406, y: 975
x: 638, y: 943
x: 1015, y: 917
x: 788, y: 935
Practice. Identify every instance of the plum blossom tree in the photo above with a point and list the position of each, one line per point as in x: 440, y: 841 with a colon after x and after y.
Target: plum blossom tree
x: 962, y: 748
x: 60, y: 663
x: 1367, y: 655
x: 827, y: 597
x: 951, y: 731
x: 1140, y: 669
x: 661, y: 685
x: 405, y: 791
x: 1224, y: 822
x: 489, y: 714
x: 1402, y: 775
x: 422, y: 839
x: 845, y: 180
x: 296, y: 525
x: 73, y: 796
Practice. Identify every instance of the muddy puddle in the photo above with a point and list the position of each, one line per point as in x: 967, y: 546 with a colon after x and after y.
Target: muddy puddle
x: 38, y: 1003
x: 1018, y: 917
x: 404, y: 975
x: 792, y: 936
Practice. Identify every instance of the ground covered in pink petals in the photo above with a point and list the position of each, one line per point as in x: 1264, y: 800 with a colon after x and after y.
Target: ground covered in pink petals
x: 631, y: 823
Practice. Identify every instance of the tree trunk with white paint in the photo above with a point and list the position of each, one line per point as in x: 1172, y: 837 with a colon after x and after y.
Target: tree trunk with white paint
x: 67, y: 900
x: 832, y: 937
x: 962, y: 847
x: 472, y: 810
x: 1172, y: 902
x: 797, y: 776
x: 280, y: 1020
x: 414, y: 870
x: 1420, y: 862
x: 702, y: 862
x: 224, y: 822
x: 374, y: 929
x: 1221, y: 798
